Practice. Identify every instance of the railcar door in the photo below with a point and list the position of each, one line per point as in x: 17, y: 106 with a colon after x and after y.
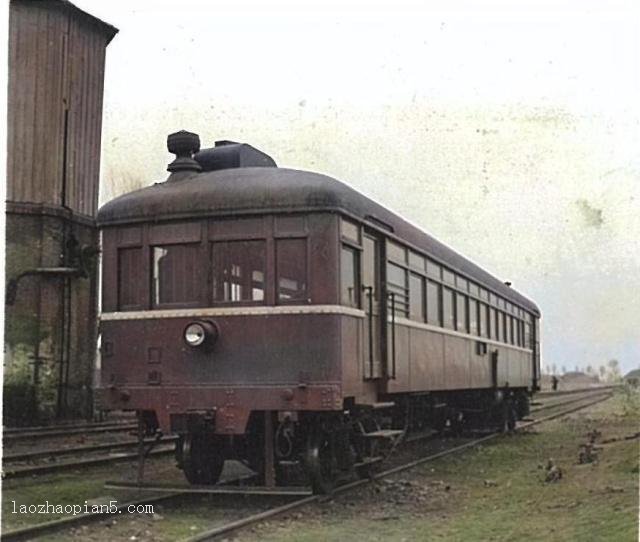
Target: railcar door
x: 372, y: 301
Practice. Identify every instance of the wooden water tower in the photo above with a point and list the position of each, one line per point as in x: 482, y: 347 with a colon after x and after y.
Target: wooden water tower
x: 55, y: 93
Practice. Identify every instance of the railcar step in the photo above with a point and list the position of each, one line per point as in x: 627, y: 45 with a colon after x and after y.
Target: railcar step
x: 384, y: 433
x: 368, y: 461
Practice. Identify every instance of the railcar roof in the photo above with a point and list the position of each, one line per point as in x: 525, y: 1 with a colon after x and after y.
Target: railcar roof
x: 257, y: 189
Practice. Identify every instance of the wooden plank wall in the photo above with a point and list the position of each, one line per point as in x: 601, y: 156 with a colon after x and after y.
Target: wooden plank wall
x: 56, y: 62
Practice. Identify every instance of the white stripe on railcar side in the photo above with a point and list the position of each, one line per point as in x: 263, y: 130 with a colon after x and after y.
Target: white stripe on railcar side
x: 429, y: 327
x: 232, y: 311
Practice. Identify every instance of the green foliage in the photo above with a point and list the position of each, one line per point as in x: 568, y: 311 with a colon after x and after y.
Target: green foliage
x: 24, y: 329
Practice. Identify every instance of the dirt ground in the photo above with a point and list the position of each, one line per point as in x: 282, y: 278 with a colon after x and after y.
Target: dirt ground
x: 498, y: 491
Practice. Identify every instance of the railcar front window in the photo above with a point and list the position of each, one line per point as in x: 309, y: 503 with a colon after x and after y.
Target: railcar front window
x: 175, y: 274
x: 291, y: 266
x: 239, y: 271
x: 129, y: 266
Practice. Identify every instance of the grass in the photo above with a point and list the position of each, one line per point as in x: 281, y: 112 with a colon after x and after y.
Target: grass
x: 497, y: 491
x: 493, y: 492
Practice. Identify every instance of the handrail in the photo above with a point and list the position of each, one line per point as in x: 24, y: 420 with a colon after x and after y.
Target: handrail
x: 393, y: 334
x: 369, y: 290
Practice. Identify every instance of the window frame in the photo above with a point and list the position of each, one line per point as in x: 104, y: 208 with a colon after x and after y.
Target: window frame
x: 268, y: 276
x: 306, y: 299
x: 198, y: 302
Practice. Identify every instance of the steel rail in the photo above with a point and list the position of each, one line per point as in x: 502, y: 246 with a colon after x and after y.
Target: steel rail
x: 55, y: 525
x: 250, y: 520
x: 48, y: 468
x: 569, y: 392
x: 47, y: 527
x: 61, y: 432
x: 568, y: 402
x: 61, y: 426
x: 55, y: 452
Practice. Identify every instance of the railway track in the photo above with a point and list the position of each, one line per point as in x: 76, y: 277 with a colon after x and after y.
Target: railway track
x: 580, y: 390
x: 47, y: 468
x: 235, y: 526
x: 55, y: 462
x: 13, y: 435
x: 595, y: 396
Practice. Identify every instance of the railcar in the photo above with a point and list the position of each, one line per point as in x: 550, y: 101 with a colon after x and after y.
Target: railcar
x: 281, y: 318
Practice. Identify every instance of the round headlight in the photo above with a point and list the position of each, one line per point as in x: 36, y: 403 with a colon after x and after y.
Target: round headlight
x: 195, y: 334
x: 201, y: 334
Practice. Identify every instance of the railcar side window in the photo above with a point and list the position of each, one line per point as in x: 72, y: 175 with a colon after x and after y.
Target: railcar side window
x: 349, y: 273
x: 291, y: 267
x: 461, y: 283
x: 397, y: 285
x: 461, y: 313
x: 473, y: 317
x: 417, y: 261
x: 129, y: 266
x: 483, y: 320
x: 238, y: 271
x: 527, y: 335
x: 448, y: 318
x: 433, y: 303
x: 175, y: 274
x: 396, y: 252
x: 448, y: 277
x: 416, y: 297
x: 434, y: 270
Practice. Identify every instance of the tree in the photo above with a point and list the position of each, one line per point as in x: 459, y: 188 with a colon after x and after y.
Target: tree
x: 603, y: 372
x: 554, y: 369
x: 589, y: 370
x: 614, y: 370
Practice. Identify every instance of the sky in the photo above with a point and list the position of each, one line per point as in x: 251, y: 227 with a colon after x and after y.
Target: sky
x: 510, y: 133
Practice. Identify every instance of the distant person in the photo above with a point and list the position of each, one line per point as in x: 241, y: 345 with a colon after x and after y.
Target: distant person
x: 554, y: 382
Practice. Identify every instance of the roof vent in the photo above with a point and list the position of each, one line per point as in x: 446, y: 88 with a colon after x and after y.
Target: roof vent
x: 229, y: 154
x: 184, y: 145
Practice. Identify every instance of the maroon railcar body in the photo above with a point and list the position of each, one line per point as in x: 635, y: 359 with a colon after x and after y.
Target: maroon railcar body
x: 318, y: 300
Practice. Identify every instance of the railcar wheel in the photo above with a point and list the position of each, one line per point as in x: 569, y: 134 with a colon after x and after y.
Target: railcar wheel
x: 320, y: 461
x: 201, y: 461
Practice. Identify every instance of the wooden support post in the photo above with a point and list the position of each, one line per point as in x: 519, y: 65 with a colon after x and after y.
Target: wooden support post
x: 269, y: 459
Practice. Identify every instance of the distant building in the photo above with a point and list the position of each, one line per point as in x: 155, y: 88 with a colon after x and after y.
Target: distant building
x: 632, y: 378
x: 54, y: 117
x: 579, y: 379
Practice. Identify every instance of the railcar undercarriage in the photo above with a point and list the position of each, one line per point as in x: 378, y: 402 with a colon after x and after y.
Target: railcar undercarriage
x: 322, y: 449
